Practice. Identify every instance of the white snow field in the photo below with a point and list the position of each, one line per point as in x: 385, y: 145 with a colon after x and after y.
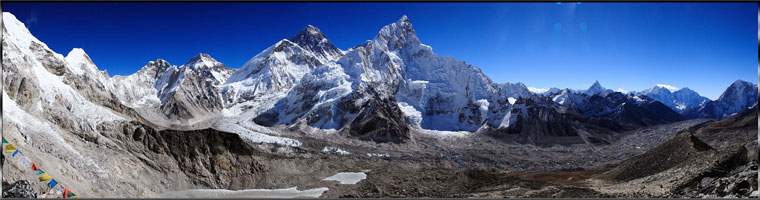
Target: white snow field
x: 347, y: 177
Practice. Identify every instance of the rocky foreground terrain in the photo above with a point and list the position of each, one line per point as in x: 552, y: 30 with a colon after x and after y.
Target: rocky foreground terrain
x: 416, y: 123
x: 673, y: 160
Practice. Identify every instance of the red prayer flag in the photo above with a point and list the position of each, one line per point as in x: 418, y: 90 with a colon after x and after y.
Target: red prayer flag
x: 34, y: 166
x: 66, y: 192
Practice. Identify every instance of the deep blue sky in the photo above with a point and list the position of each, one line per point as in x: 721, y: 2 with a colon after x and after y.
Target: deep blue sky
x: 703, y: 46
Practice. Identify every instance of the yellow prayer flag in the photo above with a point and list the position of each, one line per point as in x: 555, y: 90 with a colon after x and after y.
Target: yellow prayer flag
x: 10, y: 148
x: 45, y: 177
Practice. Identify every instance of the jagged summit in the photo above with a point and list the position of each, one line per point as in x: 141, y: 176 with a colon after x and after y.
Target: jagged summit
x: 404, y: 18
x: 678, y: 99
x: 668, y: 87
x: 311, y: 30
x: 738, y: 96
x: 201, y: 56
x: 398, y: 35
x: 203, y: 60
x: 312, y: 39
x: 596, y: 88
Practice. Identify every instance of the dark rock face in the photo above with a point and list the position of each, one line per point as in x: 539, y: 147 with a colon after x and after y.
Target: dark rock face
x: 738, y: 183
x: 629, y: 112
x: 380, y: 120
x: 48, y: 59
x: 545, y: 123
x: 209, y: 158
x: 19, y: 189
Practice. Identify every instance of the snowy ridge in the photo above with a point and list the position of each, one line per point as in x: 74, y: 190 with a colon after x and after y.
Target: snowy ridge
x: 669, y: 87
x: 275, y: 69
x: 678, y: 99
x: 256, y: 137
x: 738, y: 96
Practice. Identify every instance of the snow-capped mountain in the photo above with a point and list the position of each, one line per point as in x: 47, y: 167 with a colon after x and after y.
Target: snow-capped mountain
x: 377, y: 90
x: 189, y: 91
x: 138, y: 90
x: 629, y: 110
x: 597, y: 88
x: 678, y: 99
x: 175, y: 94
x: 738, y: 96
x: 46, y: 101
x: 448, y: 94
x: 282, y: 65
x: 542, y: 91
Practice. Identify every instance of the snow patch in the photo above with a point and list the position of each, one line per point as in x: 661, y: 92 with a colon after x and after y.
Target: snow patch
x: 347, y: 177
x: 511, y: 100
x: 384, y: 155
x: 621, y: 90
x: 335, y: 150
x: 444, y: 134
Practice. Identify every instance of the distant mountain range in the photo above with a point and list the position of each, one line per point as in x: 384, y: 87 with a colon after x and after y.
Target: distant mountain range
x: 379, y: 90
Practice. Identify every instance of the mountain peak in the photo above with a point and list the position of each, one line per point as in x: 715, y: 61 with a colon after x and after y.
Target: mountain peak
x: 308, y: 34
x: 668, y: 87
x: 740, y: 82
x: 79, y: 54
x: 595, y: 85
x: 398, y: 34
x: 202, y: 55
x: 312, y: 39
x: 404, y: 18
x: 596, y: 88
x: 311, y: 30
x: 79, y: 62
x: 200, y: 60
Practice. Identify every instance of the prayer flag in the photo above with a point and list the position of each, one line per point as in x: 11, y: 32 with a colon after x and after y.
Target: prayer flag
x: 10, y: 148
x: 45, y: 177
x: 16, y: 152
x: 52, y: 184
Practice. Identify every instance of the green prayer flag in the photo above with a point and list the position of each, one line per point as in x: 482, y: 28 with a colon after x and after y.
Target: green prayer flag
x: 40, y: 172
x: 71, y: 195
x: 5, y: 141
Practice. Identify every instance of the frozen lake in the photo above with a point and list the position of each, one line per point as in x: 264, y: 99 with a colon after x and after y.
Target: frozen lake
x: 347, y: 177
x: 249, y: 193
